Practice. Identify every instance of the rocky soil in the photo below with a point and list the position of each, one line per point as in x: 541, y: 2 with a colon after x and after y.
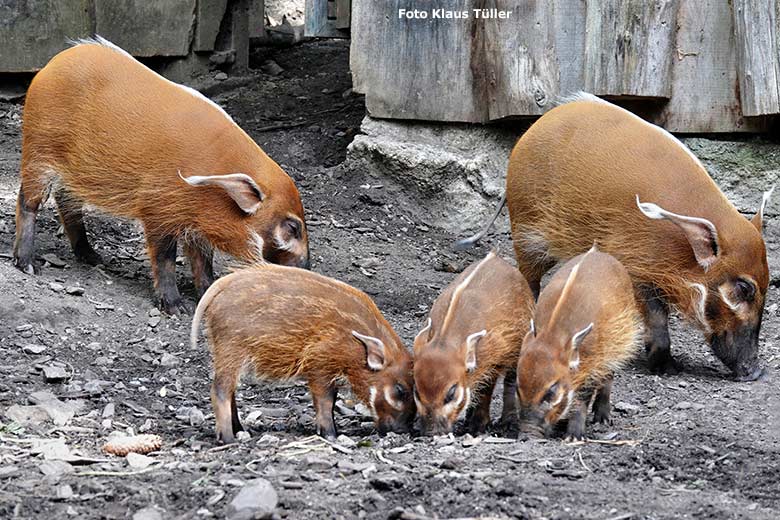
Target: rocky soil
x: 84, y: 354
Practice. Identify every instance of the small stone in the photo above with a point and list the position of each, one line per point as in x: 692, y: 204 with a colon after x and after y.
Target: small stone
x: 154, y: 321
x: 8, y: 471
x: 318, y: 463
x: 22, y: 328
x: 53, y: 260
x: 169, y: 360
x: 196, y: 417
x: 385, y: 482
x: 346, y: 441
x: 148, y: 513
x: 220, y: 76
x: 243, y: 436
x: 683, y: 405
x: 102, y: 361
x: 271, y: 68
x: 154, y: 311
x: 626, y: 408
x: 256, y: 499
x: 348, y: 467
x: 56, y: 287
x: 93, y: 346
x: 138, y: 461
x: 33, y: 349
x: 346, y: 93
x: 74, y: 290
x: 55, y: 468
x: 54, y: 374
x: 27, y: 415
x: 64, y: 492
x: 109, y: 410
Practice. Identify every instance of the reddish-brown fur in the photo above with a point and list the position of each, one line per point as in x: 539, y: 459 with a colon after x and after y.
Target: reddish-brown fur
x: 491, y: 296
x: 574, y: 178
x: 284, y: 323
x: 559, y: 371
x: 101, y: 128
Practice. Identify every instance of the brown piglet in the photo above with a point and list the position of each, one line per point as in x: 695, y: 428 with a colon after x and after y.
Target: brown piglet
x: 103, y: 129
x: 586, y: 326
x: 287, y: 323
x: 473, y: 336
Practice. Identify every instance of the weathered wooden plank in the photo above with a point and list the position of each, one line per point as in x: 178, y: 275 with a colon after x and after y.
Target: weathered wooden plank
x: 412, y: 68
x: 33, y: 31
x: 521, y: 65
x: 343, y: 12
x: 319, y: 21
x: 628, y: 47
x: 704, y: 76
x: 570, y: 44
x: 209, y: 14
x: 145, y: 28
x: 756, y: 31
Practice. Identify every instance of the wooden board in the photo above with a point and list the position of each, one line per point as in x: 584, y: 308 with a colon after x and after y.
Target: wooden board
x: 704, y: 74
x: 320, y: 20
x: 570, y: 44
x: 343, y: 13
x: 628, y: 47
x: 756, y: 30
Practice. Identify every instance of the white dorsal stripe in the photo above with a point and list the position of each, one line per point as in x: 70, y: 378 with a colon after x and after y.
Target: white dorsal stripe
x: 459, y: 290
x: 99, y: 40
x: 566, y: 290
x: 586, y: 96
x: 764, y: 199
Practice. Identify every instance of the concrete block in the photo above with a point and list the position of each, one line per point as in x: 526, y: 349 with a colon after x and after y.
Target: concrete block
x: 147, y: 27
x: 209, y: 17
x: 33, y: 31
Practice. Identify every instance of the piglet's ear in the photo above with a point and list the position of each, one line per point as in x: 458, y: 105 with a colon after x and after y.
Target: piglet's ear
x: 425, y: 329
x: 579, y: 337
x: 238, y: 186
x: 471, y: 349
x: 375, y: 350
x: 700, y: 232
x: 758, y: 219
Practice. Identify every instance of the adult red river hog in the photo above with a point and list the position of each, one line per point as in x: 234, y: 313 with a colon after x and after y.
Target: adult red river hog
x: 590, y: 171
x: 585, y: 327
x: 472, y: 338
x: 101, y: 128
x: 285, y: 323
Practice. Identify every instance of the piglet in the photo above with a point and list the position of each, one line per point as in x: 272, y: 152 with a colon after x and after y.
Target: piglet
x: 473, y: 336
x: 586, y: 326
x: 287, y: 323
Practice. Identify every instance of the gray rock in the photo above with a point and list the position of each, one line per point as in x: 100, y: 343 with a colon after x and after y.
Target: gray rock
x: 154, y: 321
x: 56, y: 287
x: 271, y: 68
x: 53, y: 260
x: 60, y: 412
x: 683, y: 405
x: 54, y: 374
x: 256, y: 499
x: 138, y: 461
x: 55, y: 468
x: 148, y: 513
x: 74, y: 290
x: 64, y: 492
x: 103, y: 361
x: 27, y: 415
x: 33, y: 349
x: 220, y: 76
x: 8, y: 471
x: 626, y: 408
x: 169, y: 360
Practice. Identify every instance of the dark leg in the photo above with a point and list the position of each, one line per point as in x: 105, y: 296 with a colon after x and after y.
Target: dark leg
x: 162, y: 254
x: 24, y: 245
x: 324, y: 397
x: 201, y: 261
x: 601, y: 407
x: 657, y: 342
x: 579, y: 412
x: 509, y: 408
x: 234, y: 413
x: 73, y: 222
x: 478, y: 416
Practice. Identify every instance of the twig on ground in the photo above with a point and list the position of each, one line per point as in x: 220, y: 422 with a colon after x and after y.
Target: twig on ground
x: 118, y: 473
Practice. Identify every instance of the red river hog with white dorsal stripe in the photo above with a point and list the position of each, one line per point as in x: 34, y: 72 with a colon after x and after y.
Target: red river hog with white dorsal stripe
x: 585, y: 327
x: 591, y: 171
x: 472, y: 337
x: 101, y: 128
x: 286, y: 323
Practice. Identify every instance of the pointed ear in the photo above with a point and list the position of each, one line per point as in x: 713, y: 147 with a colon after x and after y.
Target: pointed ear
x: 579, y: 337
x: 700, y: 232
x: 758, y: 219
x: 425, y: 329
x: 375, y: 350
x: 471, y: 349
x: 238, y: 186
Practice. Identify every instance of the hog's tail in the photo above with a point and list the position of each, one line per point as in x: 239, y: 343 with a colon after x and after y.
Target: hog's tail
x: 203, y: 304
x: 468, y: 243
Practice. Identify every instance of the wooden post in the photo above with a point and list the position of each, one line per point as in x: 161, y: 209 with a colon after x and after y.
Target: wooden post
x: 756, y: 29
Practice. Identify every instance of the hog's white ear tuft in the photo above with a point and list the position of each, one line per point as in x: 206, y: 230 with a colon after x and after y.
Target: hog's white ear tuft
x: 238, y: 186
x: 579, y: 337
x: 425, y: 329
x: 700, y: 232
x: 533, y: 328
x: 758, y: 219
x: 375, y: 350
x: 471, y: 349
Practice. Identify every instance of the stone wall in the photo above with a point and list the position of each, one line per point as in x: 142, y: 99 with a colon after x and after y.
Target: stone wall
x: 457, y: 171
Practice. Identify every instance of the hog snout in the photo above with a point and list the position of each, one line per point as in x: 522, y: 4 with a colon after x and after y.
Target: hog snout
x: 532, y: 423
x: 436, y: 425
x: 385, y: 427
x: 738, y: 350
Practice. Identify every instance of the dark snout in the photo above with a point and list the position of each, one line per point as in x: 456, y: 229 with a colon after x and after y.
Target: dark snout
x: 738, y: 350
x: 431, y: 426
x: 532, y: 423
x: 385, y: 427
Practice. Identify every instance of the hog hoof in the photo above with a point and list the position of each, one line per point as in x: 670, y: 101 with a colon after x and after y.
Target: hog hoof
x: 601, y: 416
x: 89, y: 257
x: 26, y: 267
x: 507, y: 423
x: 175, y: 307
x: 664, y: 364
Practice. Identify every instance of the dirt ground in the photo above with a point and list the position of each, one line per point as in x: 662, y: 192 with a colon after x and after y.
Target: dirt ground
x: 694, y: 445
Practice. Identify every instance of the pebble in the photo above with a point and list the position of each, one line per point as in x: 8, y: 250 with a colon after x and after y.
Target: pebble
x: 8, y: 471
x: 220, y: 76
x: 54, y: 374
x: 64, y: 492
x: 318, y: 463
x: 33, y: 349
x: 196, y: 417
x: 103, y: 361
x: 683, y: 405
x: 256, y: 499
x: 271, y: 68
x: 54, y: 468
x: 346, y: 441
x: 385, y: 482
x: 56, y: 287
x: 22, y: 328
x: 74, y: 290
x: 138, y: 461
x: 26, y: 415
x: 54, y: 260
x: 148, y: 513
x: 169, y: 360
x: 154, y: 321
x: 626, y: 408
x: 109, y: 410
x: 154, y: 311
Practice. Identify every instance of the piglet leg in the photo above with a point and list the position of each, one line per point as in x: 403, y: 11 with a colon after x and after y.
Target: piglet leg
x: 162, y: 254
x: 478, y: 416
x: 579, y: 412
x: 223, y: 401
x: 324, y: 397
x: 509, y: 409
x: 601, y: 407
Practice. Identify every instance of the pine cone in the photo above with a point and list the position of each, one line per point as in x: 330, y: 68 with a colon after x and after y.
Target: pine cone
x: 121, y: 446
